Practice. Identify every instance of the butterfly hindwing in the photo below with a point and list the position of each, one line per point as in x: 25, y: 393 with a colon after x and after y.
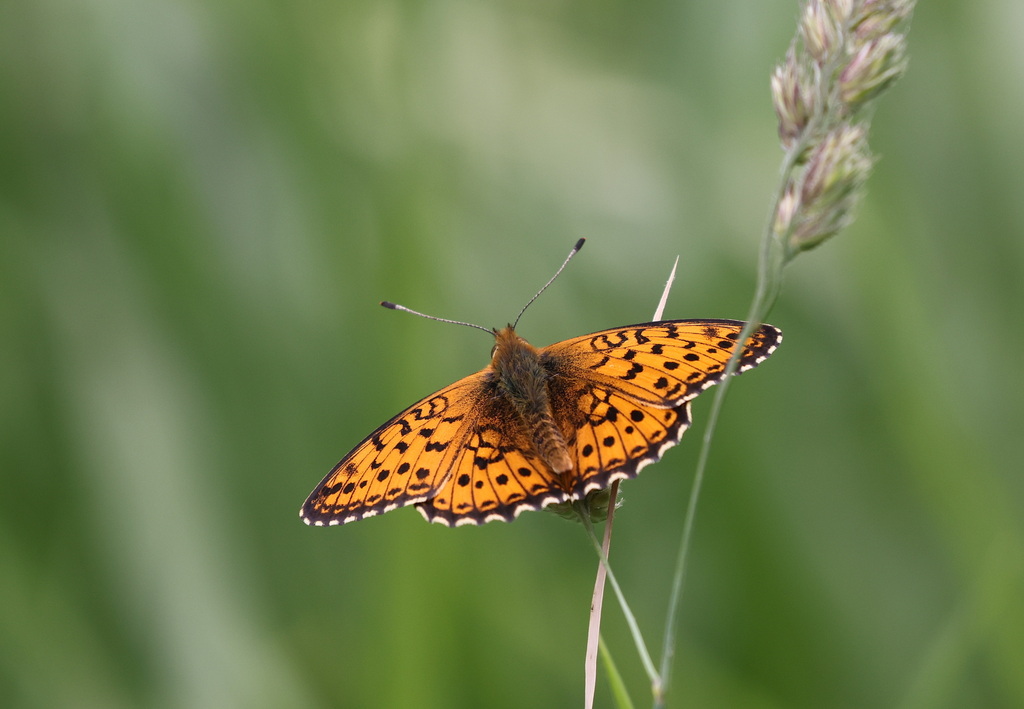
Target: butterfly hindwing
x: 496, y: 476
x: 661, y: 363
x: 615, y: 437
x: 403, y: 462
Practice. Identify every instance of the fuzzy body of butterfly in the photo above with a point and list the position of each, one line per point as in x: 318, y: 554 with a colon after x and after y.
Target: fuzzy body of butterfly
x: 537, y: 426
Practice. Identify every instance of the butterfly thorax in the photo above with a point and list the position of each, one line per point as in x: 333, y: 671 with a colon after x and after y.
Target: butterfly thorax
x: 523, y: 381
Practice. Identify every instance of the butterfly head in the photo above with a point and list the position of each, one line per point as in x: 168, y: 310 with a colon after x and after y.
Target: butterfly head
x: 506, y: 341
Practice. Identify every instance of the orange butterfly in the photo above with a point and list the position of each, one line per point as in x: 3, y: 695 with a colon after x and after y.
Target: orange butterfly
x: 537, y: 427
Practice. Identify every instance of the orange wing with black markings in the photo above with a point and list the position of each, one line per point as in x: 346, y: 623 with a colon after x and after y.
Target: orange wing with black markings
x: 495, y: 478
x: 661, y: 363
x: 625, y: 392
x: 405, y: 461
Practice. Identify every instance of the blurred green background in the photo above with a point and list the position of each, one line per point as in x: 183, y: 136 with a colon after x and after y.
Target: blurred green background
x: 202, y: 204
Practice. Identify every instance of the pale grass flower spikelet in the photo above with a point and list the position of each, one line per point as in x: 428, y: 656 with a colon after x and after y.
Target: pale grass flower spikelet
x: 836, y: 171
x: 786, y: 210
x: 842, y: 10
x: 821, y: 30
x: 878, y: 17
x: 836, y: 164
x: 794, y: 96
x: 875, y: 66
x: 820, y: 201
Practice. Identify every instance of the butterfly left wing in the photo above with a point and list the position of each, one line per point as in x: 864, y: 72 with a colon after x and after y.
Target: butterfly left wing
x: 622, y: 395
x: 404, y: 461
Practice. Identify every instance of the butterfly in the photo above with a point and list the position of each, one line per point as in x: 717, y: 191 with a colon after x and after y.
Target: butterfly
x: 538, y: 426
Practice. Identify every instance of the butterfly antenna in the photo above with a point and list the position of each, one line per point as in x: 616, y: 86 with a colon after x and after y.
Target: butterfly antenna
x: 395, y: 306
x: 577, y: 247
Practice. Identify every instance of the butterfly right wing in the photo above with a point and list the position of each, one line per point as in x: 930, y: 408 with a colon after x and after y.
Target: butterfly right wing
x: 405, y: 461
x: 662, y: 363
x: 623, y: 395
x: 612, y: 436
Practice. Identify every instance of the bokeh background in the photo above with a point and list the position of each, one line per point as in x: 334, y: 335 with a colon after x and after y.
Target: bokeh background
x: 201, y: 204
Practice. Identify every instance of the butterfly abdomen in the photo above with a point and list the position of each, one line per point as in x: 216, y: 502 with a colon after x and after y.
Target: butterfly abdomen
x: 550, y: 443
x: 523, y: 382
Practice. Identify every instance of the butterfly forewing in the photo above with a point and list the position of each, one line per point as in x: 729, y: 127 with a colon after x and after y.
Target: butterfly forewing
x: 407, y: 460
x: 660, y: 363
